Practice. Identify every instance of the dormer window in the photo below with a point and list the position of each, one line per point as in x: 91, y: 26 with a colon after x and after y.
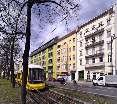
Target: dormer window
x: 87, y: 30
x: 108, y: 21
x: 93, y: 39
x: 93, y: 27
x: 108, y: 33
x: 58, y: 46
x: 65, y: 43
x: 101, y: 24
x: 81, y: 34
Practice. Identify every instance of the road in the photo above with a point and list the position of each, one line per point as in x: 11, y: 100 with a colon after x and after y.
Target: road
x: 89, y: 88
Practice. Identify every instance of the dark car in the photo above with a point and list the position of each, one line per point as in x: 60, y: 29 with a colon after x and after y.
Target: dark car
x: 61, y: 80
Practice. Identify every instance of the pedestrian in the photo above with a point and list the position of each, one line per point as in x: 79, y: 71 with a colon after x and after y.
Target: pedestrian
x: 74, y: 82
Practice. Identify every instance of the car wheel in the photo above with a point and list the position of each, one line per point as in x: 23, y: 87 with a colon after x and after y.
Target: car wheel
x: 94, y: 84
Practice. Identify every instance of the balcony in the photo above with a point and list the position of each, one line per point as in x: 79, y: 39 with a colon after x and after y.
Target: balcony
x: 94, y: 44
x: 95, y: 65
x: 96, y: 54
x: 97, y: 32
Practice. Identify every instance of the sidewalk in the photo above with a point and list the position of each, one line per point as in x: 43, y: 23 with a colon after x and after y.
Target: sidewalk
x: 85, y: 83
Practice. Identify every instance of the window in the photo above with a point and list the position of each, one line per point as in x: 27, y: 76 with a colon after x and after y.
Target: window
x: 74, y: 66
x: 50, y: 61
x: 58, y: 67
x: 69, y: 57
x: 43, y: 52
x: 87, y: 51
x: 58, y: 59
x: 58, y: 46
x: 58, y: 52
x: 65, y: 43
x: 108, y: 21
x: 108, y: 33
x: 93, y: 27
x: 93, y: 50
x: 80, y: 44
x: 73, y: 48
x: 87, y: 30
x: 80, y: 53
x: 43, y: 57
x: 69, y: 41
x: 80, y: 61
x: 70, y: 49
x: 87, y: 61
x: 73, y: 57
x: 109, y: 58
x: 100, y: 37
x: 93, y: 60
x: 80, y: 34
x: 50, y: 54
x: 93, y: 39
x: 109, y: 46
x: 101, y: 59
x: 73, y: 39
x: 86, y: 41
x: 50, y: 49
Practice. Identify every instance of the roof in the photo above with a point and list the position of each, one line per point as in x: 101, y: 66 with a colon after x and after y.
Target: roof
x: 110, y: 11
x: 30, y: 66
x: 43, y: 47
x: 68, y: 35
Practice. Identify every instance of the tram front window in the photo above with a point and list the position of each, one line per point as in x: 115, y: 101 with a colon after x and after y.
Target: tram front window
x: 36, y: 75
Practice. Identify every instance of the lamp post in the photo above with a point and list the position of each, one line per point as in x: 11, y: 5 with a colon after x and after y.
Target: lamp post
x: 112, y: 38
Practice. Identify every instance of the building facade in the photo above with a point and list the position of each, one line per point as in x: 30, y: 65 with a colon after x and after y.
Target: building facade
x: 66, y: 55
x: 96, y: 46
x: 46, y: 56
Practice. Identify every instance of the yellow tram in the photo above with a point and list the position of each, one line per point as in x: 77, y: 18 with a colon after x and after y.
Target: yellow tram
x: 19, y: 77
x: 35, y: 78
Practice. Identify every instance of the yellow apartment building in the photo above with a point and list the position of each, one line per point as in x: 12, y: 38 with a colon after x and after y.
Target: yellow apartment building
x: 66, y: 55
x: 45, y: 55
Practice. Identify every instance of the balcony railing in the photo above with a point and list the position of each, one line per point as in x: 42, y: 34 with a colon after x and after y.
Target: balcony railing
x: 96, y: 54
x: 95, y: 65
x: 97, y: 32
x: 94, y: 44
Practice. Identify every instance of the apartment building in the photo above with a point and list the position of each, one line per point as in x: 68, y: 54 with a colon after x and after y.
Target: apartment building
x: 46, y: 56
x: 66, y: 55
x: 96, y: 46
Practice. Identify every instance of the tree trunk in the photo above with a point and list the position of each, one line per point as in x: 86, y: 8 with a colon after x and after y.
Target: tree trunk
x: 26, y: 54
x: 12, y: 65
x: 4, y: 74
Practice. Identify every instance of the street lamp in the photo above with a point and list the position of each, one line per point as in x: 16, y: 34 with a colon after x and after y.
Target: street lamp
x: 112, y: 38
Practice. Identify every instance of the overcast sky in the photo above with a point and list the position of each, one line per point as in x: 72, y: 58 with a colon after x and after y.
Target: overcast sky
x: 88, y: 9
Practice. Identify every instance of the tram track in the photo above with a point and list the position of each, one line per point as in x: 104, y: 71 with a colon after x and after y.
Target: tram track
x: 52, y: 97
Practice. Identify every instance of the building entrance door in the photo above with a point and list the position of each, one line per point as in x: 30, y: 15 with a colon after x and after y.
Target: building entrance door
x: 72, y: 75
x: 81, y: 75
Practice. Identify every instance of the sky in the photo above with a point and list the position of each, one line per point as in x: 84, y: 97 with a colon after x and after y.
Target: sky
x: 88, y: 9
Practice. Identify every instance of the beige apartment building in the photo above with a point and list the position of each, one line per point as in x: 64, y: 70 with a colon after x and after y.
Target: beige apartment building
x: 66, y: 55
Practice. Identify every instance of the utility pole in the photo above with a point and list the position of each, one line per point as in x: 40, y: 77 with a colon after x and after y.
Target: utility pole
x: 112, y: 38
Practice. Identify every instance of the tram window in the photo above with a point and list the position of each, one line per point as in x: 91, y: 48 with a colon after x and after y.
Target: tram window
x: 36, y: 74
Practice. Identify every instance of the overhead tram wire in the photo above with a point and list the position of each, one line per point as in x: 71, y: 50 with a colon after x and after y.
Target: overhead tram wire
x: 59, y: 22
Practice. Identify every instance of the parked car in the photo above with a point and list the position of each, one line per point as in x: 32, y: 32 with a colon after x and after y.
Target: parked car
x: 61, y: 80
x: 107, y: 80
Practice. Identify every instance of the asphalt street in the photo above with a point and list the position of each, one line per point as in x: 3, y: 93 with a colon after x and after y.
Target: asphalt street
x: 89, y: 88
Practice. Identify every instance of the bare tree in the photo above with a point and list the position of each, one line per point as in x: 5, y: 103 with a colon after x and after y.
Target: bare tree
x: 64, y: 6
x: 13, y: 26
